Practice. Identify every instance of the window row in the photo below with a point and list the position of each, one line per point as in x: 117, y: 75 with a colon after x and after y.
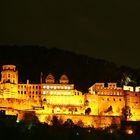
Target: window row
x: 110, y: 93
x: 57, y: 87
x: 108, y: 99
x: 35, y: 96
x: 33, y: 87
x: 9, y: 76
x: 24, y: 92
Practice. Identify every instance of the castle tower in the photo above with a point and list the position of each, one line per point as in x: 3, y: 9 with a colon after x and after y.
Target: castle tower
x: 9, y: 74
x: 9, y: 82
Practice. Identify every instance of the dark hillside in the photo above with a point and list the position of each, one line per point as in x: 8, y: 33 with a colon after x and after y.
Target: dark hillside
x: 82, y: 70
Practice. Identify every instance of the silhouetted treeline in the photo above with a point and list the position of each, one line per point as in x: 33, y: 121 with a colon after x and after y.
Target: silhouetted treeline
x: 82, y: 70
x: 38, y: 131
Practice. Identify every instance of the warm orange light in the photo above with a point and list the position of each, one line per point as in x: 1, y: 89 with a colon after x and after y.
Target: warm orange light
x: 129, y: 131
x: 62, y: 98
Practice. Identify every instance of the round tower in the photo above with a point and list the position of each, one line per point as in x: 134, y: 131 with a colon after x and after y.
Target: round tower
x: 9, y: 74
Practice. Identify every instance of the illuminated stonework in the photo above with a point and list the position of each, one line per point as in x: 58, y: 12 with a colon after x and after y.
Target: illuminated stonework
x: 9, y: 82
x: 49, y: 98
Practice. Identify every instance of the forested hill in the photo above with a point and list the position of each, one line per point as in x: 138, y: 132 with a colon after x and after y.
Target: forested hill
x: 82, y: 70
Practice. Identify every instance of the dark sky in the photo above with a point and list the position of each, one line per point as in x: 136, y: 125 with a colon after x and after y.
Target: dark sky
x: 108, y: 29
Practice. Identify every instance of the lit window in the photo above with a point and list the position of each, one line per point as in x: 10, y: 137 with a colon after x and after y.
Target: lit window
x: 54, y: 87
x: 44, y: 92
x: 68, y: 87
x: 65, y: 87
x: 47, y: 87
x: 58, y: 87
x: 57, y: 109
x: 44, y: 87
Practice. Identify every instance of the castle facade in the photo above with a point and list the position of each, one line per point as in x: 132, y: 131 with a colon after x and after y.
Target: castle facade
x: 63, y: 99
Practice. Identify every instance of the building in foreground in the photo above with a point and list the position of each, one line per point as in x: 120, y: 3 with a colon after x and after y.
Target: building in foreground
x: 101, y: 104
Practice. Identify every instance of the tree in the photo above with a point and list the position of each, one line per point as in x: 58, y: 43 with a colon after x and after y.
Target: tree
x: 108, y: 109
x: 68, y: 123
x: 56, y: 122
x: 88, y: 111
x: 126, y: 113
x: 30, y: 117
x: 80, y: 123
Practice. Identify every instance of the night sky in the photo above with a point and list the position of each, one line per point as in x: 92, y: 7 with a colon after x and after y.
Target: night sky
x: 108, y: 29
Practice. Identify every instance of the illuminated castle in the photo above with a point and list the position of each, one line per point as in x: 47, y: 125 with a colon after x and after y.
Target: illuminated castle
x: 50, y: 98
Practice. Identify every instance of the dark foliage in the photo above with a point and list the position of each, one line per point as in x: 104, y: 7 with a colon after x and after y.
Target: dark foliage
x: 87, y: 111
x: 46, y: 132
